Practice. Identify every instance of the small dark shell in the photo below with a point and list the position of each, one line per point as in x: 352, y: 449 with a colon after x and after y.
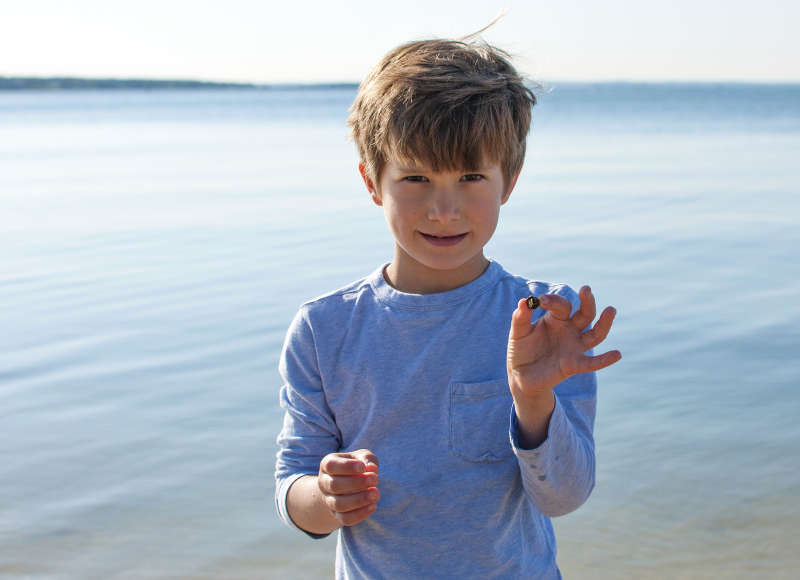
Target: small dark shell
x: 533, y: 302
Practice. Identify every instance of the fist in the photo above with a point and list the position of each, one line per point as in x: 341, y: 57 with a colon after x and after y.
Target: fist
x: 349, y: 485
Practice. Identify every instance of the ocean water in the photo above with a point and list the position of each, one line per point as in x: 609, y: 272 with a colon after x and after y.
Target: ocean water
x: 155, y: 245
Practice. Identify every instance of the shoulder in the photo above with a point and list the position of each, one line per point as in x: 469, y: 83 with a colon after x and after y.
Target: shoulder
x: 339, y: 296
x: 522, y: 287
x: 341, y: 299
x: 334, y: 308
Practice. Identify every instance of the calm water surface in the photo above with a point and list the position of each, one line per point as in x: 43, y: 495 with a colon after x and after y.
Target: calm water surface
x: 155, y: 245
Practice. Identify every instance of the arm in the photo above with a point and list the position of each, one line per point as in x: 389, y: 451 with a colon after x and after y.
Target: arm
x: 559, y: 474
x: 317, y: 489
x: 553, y: 385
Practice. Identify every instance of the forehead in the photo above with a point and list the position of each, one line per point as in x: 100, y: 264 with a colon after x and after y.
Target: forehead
x: 416, y: 150
x: 417, y: 166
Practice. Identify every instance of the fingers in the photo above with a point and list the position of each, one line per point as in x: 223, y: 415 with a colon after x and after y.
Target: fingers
x: 350, y: 463
x: 344, y: 473
x: 357, y: 516
x: 594, y: 363
x: 348, y: 482
x: 558, y: 306
x: 586, y: 313
x: 354, y: 507
x: 599, y: 332
x: 369, y: 458
x: 521, y: 320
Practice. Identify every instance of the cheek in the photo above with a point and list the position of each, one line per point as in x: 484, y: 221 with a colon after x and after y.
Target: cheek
x: 488, y: 212
x: 400, y: 211
x: 394, y: 219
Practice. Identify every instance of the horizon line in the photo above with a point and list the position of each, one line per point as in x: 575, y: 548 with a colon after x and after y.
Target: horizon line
x: 53, y: 82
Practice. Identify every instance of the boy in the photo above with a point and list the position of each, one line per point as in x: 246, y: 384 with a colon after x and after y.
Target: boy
x: 433, y: 416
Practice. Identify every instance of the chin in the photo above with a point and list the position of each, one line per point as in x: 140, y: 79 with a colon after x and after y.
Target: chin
x: 447, y: 265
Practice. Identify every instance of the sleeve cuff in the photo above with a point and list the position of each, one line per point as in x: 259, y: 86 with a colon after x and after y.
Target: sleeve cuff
x: 557, y: 429
x: 281, y: 493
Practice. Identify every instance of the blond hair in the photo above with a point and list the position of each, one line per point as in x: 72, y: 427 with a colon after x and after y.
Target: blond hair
x: 448, y: 104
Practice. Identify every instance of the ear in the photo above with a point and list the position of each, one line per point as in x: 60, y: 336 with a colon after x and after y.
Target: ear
x: 510, y: 188
x: 373, y: 191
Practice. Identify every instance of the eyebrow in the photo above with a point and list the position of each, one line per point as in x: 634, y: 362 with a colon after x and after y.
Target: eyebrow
x: 403, y: 169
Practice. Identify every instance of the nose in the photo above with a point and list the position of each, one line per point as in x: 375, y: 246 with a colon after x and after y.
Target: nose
x: 444, y: 205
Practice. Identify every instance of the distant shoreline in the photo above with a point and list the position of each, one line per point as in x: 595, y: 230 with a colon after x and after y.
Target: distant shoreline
x: 77, y: 83
x: 81, y: 83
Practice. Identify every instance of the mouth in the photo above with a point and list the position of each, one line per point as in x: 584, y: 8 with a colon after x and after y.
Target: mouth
x: 444, y: 240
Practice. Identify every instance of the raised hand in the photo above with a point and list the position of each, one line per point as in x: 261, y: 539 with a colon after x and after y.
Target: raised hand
x: 348, y: 483
x: 543, y: 354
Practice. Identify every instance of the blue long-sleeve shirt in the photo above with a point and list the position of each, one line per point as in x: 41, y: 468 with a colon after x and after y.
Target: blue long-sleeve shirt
x: 421, y: 381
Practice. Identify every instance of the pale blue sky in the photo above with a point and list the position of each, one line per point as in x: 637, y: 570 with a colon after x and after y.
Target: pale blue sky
x: 314, y: 40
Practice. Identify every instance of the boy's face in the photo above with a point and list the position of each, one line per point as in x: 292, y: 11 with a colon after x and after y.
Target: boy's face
x: 440, y: 222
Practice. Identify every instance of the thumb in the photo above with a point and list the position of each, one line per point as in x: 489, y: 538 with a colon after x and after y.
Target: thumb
x: 521, y: 320
x: 370, y: 460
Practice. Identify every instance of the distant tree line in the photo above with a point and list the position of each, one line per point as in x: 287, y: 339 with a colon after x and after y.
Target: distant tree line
x: 58, y: 83
x: 67, y: 83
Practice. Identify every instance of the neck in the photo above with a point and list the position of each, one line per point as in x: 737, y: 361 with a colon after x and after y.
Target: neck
x: 420, y: 279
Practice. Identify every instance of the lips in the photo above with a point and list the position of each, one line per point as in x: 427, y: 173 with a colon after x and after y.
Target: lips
x: 443, y: 240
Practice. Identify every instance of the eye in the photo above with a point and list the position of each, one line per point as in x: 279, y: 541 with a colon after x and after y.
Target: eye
x: 415, y: 178
x: 472, y: 177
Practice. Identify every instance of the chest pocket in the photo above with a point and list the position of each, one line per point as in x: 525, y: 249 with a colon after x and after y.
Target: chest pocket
x: 479, y: 418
